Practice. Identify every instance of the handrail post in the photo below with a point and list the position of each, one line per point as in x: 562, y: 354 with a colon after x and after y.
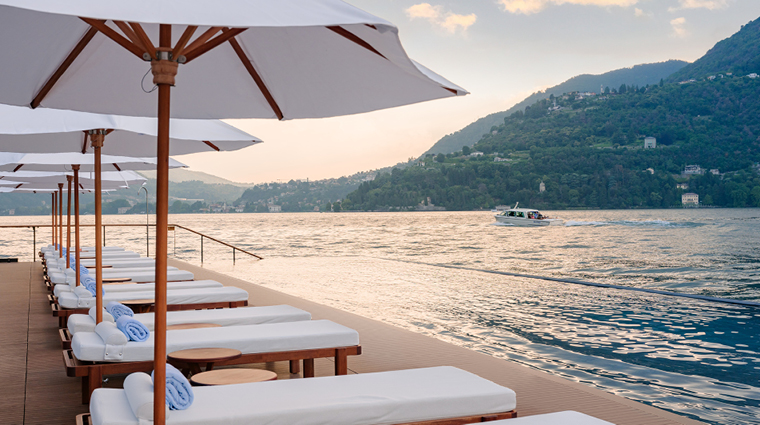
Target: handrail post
x: 201, y: 249
x: 233, y: 256
x: 34, y: 244
x: 104, y: 235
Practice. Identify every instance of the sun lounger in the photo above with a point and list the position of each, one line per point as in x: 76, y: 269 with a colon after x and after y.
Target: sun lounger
x: 224, y: 317
x: 439, y: 395
x: 117, y: 264
x: 178, y: 299
x: 567, y: 417
x: 91, y: 358
x: 148, y: 286
x: 135, y: 274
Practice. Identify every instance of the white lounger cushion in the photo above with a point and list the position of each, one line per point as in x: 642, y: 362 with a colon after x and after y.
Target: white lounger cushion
x: 138, y: 387
x: 370, y: 398
x: 148, y: 275
x: 68, y: 276
x: 117, y: 264
x: 142, y: 287
x: 225, y: 317
x: 175, y: 296
x: 270, y: 338
x: 567, y: 417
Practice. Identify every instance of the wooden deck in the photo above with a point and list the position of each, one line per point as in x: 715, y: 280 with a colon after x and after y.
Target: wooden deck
x: 36, y: 389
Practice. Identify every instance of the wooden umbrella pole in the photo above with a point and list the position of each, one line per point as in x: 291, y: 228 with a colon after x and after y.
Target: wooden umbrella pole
x: 52, y: 223
x: 68, y: 222
x: 60, y: 219
x: 96, y: 139
x: 164, y: 70
x: 76, y: 220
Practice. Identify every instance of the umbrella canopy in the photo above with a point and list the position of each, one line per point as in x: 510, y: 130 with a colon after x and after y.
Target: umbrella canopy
x: 62, y: 162
x: 51, y: 130
x: 111, y: 179
x: 281, y: 59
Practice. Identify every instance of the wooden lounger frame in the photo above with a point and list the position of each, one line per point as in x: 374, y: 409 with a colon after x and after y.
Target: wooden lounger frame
x: 63, y: 313
x: 86, y: 419
x: 92, y: 372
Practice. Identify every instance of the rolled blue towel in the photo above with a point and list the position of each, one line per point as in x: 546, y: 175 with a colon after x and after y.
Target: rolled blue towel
x: 133, y: 329
x: 92, y: 286
x: 179, y: 392
x: 118, y: 309
x: 83, y: 271
x: 72, y: 261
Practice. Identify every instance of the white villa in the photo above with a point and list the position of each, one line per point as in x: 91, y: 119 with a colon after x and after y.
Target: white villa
x: 690, y: 200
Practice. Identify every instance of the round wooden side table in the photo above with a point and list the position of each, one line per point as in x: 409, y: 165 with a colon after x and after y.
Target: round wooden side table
x: 232, y: 376
x: 195, y: 356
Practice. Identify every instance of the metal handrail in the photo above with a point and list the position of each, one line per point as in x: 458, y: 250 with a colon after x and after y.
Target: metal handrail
x: 234, y: 248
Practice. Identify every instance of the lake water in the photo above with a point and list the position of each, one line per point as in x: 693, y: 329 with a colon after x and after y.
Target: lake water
x: 429, y: 273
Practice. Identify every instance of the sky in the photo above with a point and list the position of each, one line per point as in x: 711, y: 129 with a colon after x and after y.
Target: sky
x: 501, y: 51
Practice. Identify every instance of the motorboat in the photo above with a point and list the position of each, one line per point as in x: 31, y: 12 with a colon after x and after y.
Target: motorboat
x: 525, y: 217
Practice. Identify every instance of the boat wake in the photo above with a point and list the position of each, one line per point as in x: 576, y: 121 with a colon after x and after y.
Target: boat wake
x: 632, y: 223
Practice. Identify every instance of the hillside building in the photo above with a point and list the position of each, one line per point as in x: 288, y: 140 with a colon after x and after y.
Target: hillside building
x: 542, y: 187
x: 693, y: 170
x: 476, y: 153
x: 715, y: 172
x: 650, y: 143
x: 274, y: 208
x: 684, y: 186
x: 690, y: 200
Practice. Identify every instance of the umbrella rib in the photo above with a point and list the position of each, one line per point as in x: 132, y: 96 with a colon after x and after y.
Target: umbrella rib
x: 213, y: 146
x: 63, y: 67
x: 18, y: 167
x: 179, y: 48
x: 206, y: 36
x: 226, y: 35
x: 84, y: 143
x: 127, y: 30
x: 116, y: 166
x: 144, y: 39
x: 354, y: 38
x: 256, y: 78
x: 115, y: 36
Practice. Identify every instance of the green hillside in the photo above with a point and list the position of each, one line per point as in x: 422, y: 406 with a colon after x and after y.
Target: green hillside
x: 737, y: 55
x: 589, y: 154
x: 639, y: 75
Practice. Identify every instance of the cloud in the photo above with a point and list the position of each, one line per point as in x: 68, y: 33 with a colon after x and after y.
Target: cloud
x: 639, y: 13
x: 534, y: 6
x: 679, y: 27
x: 449, y: 21
x: 700, y: 4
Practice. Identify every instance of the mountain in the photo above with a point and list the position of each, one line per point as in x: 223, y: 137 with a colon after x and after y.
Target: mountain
x: 587, y: 151
x: 738, y: 54
x: 639, y: 75
x: 179, y: 175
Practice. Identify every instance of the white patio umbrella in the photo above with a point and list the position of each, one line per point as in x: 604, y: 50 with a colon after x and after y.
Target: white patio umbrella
x: 47, y: 181
x: 67, y: 162
x: 281, y: 59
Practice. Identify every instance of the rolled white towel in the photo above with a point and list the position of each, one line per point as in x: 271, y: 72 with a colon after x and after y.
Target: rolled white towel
x: 106, y: 315
x: 138, y: 387
x: 82, y: 292
x: 110, y: 334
